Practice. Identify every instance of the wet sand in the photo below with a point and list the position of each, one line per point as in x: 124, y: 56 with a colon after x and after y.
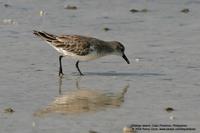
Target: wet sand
x: 162, y: 45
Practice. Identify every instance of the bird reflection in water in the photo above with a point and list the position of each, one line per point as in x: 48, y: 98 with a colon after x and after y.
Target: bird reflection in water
x: 83, y: 100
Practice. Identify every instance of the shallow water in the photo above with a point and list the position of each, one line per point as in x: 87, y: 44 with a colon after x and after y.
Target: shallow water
x: 161, y: 44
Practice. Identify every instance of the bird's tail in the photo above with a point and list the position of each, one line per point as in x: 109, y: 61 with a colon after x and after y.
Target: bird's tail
x: 45, y: 36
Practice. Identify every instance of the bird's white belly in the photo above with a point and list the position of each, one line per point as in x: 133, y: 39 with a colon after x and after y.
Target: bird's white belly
x: 91, y: 56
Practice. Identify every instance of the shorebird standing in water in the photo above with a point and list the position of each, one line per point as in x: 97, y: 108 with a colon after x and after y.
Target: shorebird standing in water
x: 81, y: 48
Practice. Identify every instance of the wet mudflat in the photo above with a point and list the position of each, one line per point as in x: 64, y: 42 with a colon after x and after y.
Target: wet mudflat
x: 161, y: 43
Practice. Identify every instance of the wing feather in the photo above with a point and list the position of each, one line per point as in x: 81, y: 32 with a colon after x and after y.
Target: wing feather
x: 79, y: 45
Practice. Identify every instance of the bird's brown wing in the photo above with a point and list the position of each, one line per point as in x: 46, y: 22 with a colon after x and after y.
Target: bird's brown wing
x: 76, y: 44
x: 73, y: 43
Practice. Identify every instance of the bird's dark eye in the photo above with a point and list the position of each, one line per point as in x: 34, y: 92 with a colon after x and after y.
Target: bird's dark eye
x: 122, y: 49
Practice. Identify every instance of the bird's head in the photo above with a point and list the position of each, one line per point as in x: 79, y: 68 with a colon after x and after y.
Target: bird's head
x: 119, y: 50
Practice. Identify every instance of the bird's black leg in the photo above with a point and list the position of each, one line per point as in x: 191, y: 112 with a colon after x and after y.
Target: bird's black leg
x: 60, y: 67
x: 78, y: 68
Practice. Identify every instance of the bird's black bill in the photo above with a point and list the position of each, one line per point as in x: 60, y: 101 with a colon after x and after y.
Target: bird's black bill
x: 125, y: 58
